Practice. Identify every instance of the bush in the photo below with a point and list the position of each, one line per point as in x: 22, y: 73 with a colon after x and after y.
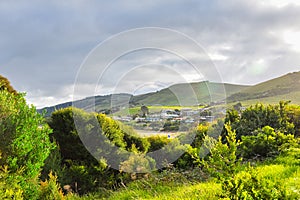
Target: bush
x: 157, y: 142
x: 222, y: 161
x: 258, y: 116
x: 10, y: 187
x: 249, y: 185
x: 24, y: 141
x: 5, y: 85
x: 50, y: 189
x: 66, y: 136
x: 266, y: 142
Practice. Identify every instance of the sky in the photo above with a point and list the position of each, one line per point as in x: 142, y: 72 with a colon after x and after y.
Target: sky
x: 57, y: 51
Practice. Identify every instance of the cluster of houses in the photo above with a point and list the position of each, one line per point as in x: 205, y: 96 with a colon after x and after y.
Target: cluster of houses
x: 186, y: 115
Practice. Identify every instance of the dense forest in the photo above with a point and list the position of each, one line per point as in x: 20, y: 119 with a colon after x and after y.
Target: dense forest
x: 249, y: 154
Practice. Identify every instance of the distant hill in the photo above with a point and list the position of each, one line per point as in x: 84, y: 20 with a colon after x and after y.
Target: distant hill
x: 97, y: 103
x: 286, y: 87
x: 189, y: 94
x: 184, y: 94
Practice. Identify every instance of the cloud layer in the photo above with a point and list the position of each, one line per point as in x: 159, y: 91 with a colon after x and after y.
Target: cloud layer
x: 43, y: 44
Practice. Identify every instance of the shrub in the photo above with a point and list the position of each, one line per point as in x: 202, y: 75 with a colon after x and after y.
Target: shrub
x: 157, y: 142
x: 258, y: 116
x: 10, y: 187
x: 50, y: 189
x: 222, y: 161
x: 5, y: 85
x: 24, y: 141
x: 249, y: 185
x: 266, y: 142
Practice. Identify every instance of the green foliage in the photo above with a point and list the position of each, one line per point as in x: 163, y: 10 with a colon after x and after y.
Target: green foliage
x: 50, y: 189
x: 132, y: 138
x: 111, y: 130
x: 266, y: 142
x: 200, y: 132
x: 293, y: 113
x: 24, y: 140
x: 157, y: 142
x: 222, y: 161
x: 66, y: 136
x: 259, y: 116
x: 249, y: 185
x: 53, y: 163
x: 5, y: 85
x: 171, y: 126
x: 106, y: 139
x: 10, y: 187
x: 138, y: 163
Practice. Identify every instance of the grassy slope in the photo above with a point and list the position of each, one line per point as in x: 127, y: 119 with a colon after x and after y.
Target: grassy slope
x: 286, y: 87
x: 285, y: 168
x: 189, y: 94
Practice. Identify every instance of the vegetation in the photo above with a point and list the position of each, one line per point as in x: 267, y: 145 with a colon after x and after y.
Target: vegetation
x: 24, y: 145
x: 252, y: 153
x: 5, y: 85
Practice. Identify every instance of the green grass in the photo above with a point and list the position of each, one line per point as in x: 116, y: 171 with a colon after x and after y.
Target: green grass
x: 152, y: 109
x: 285, y: 169
x: 203, y: 191
x: 286, y: 87
x: 293, y: 97
x: 189, y: 94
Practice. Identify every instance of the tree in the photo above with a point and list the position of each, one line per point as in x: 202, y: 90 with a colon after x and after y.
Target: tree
x: 5, y: 85
x: 144, y: 110
x: 24, y: 140
x: 237, y: 106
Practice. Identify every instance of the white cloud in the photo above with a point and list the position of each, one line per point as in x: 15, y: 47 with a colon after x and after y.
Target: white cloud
x: 279, y: 3
x: 292, y: 38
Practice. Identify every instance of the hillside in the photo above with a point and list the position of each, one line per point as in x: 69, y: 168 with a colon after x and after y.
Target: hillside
x: 179, y: 94
x: 286, y: 87
x: 189, y: 94
x: 101, y: 103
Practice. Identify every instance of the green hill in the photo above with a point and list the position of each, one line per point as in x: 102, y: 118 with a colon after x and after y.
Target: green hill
x: 286, y: 87
x: 185, y: 94
x: 189, y: 94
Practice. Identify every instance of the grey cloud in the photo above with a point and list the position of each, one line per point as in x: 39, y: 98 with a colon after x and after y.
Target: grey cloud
x: 42, y: 44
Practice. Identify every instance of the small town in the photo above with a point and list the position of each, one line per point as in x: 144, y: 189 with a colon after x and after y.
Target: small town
x: 167, y: 119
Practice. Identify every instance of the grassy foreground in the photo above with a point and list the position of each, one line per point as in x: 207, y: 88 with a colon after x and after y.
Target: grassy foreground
x: 285, y: 169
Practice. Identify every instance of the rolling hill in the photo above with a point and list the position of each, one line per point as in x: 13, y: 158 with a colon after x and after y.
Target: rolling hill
x: 184, y: 94
x: 286, y: 87
x: 189, y: 94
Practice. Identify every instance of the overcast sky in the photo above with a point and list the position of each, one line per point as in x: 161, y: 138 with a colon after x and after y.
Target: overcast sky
x: 44, y: 43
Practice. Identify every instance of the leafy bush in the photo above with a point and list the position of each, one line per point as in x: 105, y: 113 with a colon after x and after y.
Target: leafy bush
x: 249, y: 185
x: 107, y: 139
x: 258, y: 116
x: 266, y: 142
x: 138, y: 163
x: 50, y: 189
x: 66, y: 136
x: 24, y: 140
x: 5, y: 85
x: 10, y: 187
x: 222, y: 161
x: 157, y: 142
